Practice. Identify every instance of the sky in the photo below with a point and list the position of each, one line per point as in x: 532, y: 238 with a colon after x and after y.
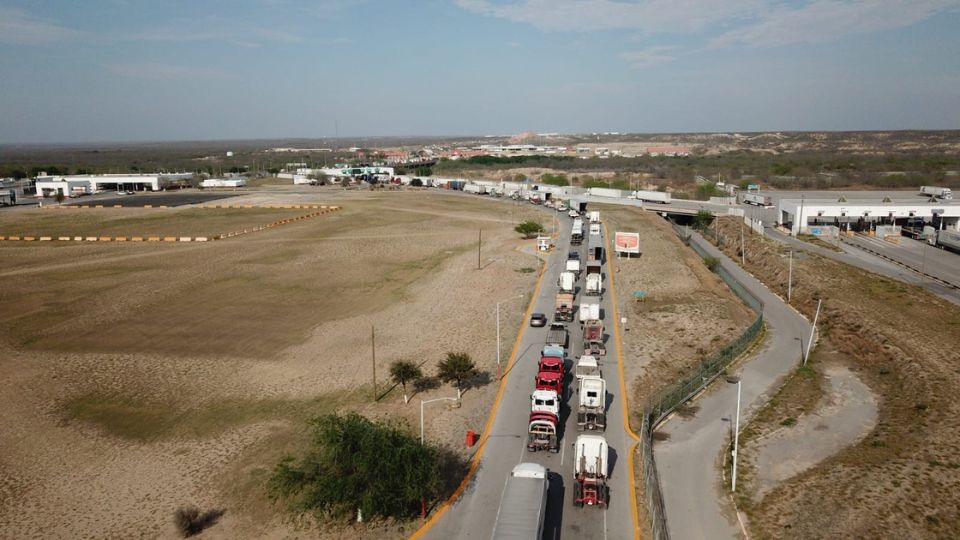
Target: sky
x: 153, y: 70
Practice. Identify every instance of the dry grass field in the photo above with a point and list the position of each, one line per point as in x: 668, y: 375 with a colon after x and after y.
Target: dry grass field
x: 142, y: 377
x: 902, y: 480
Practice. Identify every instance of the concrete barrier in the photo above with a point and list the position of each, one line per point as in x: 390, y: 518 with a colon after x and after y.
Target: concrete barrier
x: 105, y: 239
x: 91, y: 239
x: 148, y: 206
x: 153, y: 239
x: 64, y: 238
x: 29, y: 238
x: 169, y: 238
x: 136, y: 239
x: 185, y: 239
x: 200, y: 239
x: 45, y: 239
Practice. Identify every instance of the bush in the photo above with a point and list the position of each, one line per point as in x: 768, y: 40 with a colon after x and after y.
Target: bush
x: 555, y: 179
x: 712, y: 263
x: 529, y: 229
x: 416, y: 182
x: 702, y: 220
x: 354, y: 463
x: 190, y: 521
x: 424, y: 171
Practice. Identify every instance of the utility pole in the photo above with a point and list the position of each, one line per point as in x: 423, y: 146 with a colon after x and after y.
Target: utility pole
x: 813, y: 330
x: 743, y: 249
x: 790, y: 278
x: 373, y: 357
x: 479, y: 239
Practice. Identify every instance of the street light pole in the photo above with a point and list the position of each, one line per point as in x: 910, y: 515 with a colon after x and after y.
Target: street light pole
x: 790, y: 278
x: 813, y: 329
x: 736, y: 433
x: 422, y: 403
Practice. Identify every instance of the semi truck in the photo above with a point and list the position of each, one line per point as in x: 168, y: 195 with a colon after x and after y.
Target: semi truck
x: 949, y: 240
x: 545, y: 401
x: 594, y: 285
x: 557, y: 335
x: 576, y: 232
x: 595, y: 229
x: 595, y: 251
x: 938, y: 192
x: 594, y: 216
x: 661, y: 197
x: 591, y: 459
x: 523, y: 504
x: 552, y: 350
x: 551, y: 364
x: 594, y: 267
x: 548, y: 380
x: 564, y: 308
x: 573, y: 265
x: 757, y: 199
x: 592, y: 409
x: 593, y: 338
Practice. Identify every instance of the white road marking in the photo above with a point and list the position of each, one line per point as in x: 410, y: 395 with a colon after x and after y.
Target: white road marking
x: 563, y: 450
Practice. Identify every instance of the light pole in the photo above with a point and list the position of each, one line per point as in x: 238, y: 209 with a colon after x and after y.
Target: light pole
x: 422, y: 403
x: 813, y: 330
x: 499, y: 369
x: 736, y: 433
x: 790, y: 278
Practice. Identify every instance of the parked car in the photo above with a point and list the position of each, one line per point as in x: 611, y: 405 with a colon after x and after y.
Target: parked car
x: 538, y: 319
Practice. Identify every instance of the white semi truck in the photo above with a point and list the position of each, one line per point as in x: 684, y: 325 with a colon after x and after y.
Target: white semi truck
x: 938, y: 192
x: 566, y: 282
x: 757, y: 199
x: 592, y: 410
x: 591, y: 459
x: 949, y: 240
x: 594, y: 285
x: 589, y: 312
x: 523, y: 504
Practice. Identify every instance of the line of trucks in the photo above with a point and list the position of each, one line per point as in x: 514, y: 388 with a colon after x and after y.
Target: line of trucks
x: 525, y: 493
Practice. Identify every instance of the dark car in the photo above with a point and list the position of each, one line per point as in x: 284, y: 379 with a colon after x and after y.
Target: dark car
x: 538, y: 319
x: 573, y: 256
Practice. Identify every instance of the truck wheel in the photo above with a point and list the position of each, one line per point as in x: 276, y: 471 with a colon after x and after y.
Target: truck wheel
x: 576, y: 495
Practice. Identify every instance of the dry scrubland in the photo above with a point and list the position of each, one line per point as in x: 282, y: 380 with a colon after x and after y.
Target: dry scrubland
x: 689, y: 311
x: 903, y: 479
x: 139, y: 378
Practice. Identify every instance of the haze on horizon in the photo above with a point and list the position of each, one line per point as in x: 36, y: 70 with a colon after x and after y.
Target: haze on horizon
x: 115, y: 70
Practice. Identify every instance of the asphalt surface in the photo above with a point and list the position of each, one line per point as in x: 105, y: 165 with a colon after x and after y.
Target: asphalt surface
x: 688, y: 461
x: 475, y: 512
x: 866, y: 260
x: 155, y: 199
x: 931, y: 260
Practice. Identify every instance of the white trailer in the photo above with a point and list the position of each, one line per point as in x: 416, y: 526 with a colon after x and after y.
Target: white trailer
x: 594, y: 284
x: 592, y: 410
x: 594, y: 216
x: 949, y: 240
x: 573, y: 265
x: 661, y: 197
x: 523, y: 504
x: 589, y: 312
x: 587, y: 366
x: 475, y: 188
x: 757, y: 200
x: 938, y: 192
x: 605, y: 192
x: 595, y: 229
x: 566, y: 282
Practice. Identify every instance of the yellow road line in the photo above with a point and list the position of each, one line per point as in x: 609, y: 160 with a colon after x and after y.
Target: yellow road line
x: 623, y: 390
x: 475, y: 462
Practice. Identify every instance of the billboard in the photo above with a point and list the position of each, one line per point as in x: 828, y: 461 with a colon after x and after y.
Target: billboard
x: 625, y: 242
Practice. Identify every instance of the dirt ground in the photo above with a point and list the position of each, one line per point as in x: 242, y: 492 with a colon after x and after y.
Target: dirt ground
x: 688, y: 313
x: 139, y: 378
x: 903, y: 479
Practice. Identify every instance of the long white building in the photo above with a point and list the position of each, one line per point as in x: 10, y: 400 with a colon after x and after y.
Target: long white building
x: 801, y: 214
x: 82, y: 184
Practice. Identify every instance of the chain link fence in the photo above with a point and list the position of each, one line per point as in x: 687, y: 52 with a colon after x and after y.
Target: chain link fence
x: 665, y: 402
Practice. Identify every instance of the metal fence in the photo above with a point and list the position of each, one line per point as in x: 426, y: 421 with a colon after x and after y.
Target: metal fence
x: 678, y: 393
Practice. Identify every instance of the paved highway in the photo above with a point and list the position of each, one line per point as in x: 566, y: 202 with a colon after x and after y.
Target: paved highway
x: 688, y: 461
x: 474, y: 513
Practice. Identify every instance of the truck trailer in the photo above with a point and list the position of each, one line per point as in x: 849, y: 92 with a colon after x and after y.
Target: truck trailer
x: 757, y: 199
x: 589, y: 312
x: 593, y: 338
x: 949, y: 240
x: 661, y: 197
x: 938, y: 192
x: 594, y: 285
x: 557, y: 335
x: 523, y: 504
x: 567, y: 281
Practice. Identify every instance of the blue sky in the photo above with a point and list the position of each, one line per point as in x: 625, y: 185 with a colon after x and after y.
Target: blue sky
x: 139, y: 70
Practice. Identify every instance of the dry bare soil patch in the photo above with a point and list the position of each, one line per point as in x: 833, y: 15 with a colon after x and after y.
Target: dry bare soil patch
x: 688, y: 313
x: 903, y: 479
x: 139, y: 378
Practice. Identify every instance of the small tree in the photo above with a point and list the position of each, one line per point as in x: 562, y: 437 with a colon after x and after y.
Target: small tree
x: 424, y: 171
x: 529, y: 229
x: 58, y: 196
x: 713, y: 263
x: 403, y: 372
x: 416, y: 182
x: 702, y: 220
x: 455, y: 368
